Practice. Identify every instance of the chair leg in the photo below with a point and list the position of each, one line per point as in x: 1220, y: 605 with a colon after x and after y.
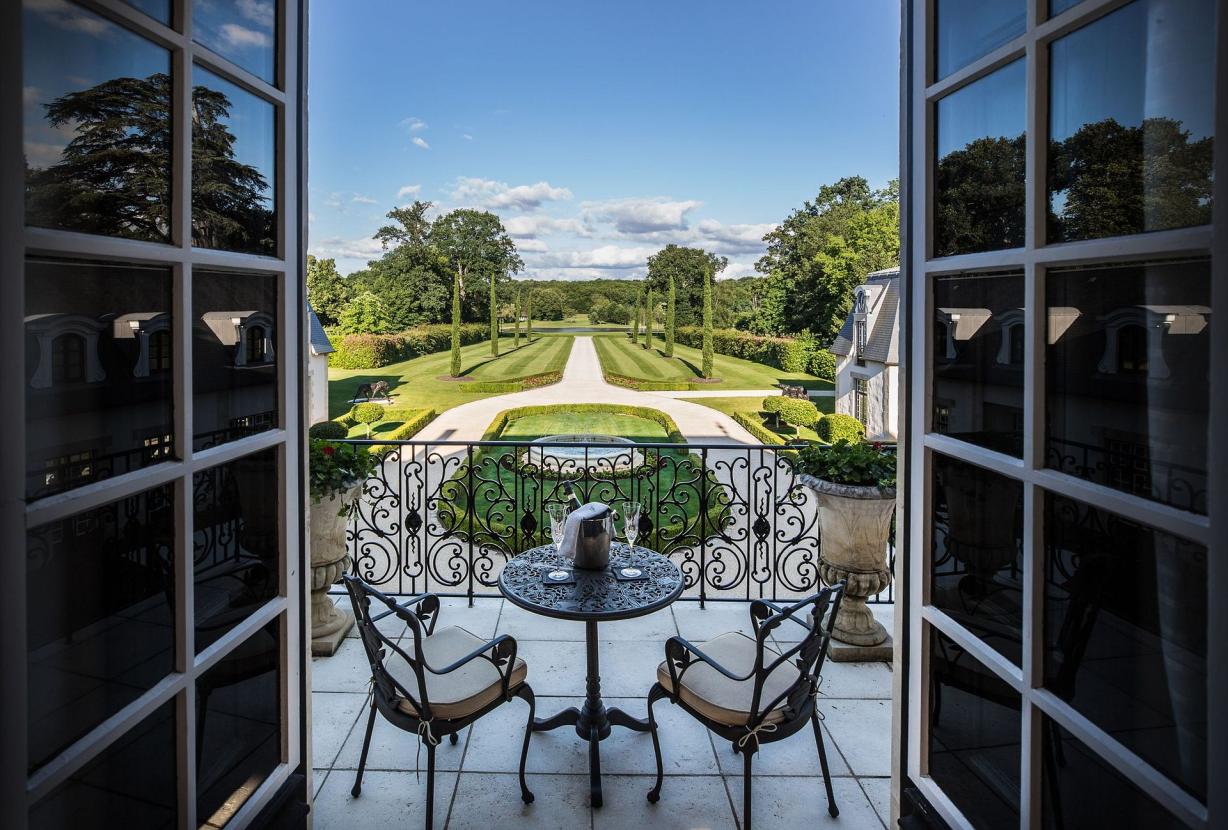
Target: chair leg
x: 430, y: 785
x: 832, y: 809
x: 747, y: 754
x: 657, y: 692
x: 362, y: 759
x: 525, y: 693
x: 454, y: 737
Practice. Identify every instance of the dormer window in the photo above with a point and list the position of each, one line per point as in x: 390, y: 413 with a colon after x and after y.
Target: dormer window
x: 160, y: 351
x: 254, y: 345
x: 860, y: 328
x: 1132, y: 350
x: 68, y: 359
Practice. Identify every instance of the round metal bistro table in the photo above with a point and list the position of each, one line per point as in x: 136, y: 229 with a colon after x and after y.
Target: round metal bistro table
x: 594, y: 597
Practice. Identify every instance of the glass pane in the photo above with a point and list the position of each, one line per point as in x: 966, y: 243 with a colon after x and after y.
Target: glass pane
x: 1131, y: 122
x: 234, y: 356
x: 233, y: 168
x: 131, y: 784
x: 235, y: 551
x: 976, y: 575
x: 1056, y: 7
x: 1080, y: 790
x: 968, y: 29
x: 979, y: 180
x: 97, y: 125
x: 242, y: 31
x: 978, y: 359
x: 1126, y: 634
x: 159, y: 10
x: 98, y: 372
x: 1128, y: 369
x: 974, y: 735
x: 238, y: 723
x: 99, y: 592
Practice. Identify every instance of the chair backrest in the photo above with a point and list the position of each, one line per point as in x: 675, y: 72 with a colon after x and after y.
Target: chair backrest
x: 421, y: 621
x: 807, y: 656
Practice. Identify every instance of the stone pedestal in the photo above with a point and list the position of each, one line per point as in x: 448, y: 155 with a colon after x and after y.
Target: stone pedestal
x: 855, y: 525
x: 329, y: 560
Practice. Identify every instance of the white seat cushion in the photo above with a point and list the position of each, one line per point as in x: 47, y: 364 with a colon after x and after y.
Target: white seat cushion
x: 458, y: 693
x: 727, y: 701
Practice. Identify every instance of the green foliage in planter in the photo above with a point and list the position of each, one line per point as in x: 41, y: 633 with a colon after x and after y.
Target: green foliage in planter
x: 854, y: 463
x: 327, y: 430
x: 838, y: 427
x: 798, y: 413
x: 335, y: 468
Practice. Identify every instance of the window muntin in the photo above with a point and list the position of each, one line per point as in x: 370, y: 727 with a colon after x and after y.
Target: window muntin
x: 233, y: 396
x: 131, y: 784
x: 234, y: 543
x: 99, y: 589
x: 974, y: 735
x: 97, y: 125
x: 969, y: 29
x: 88, y: 388
x: 242, y: 31
x: 239, y: 725
x: 1131, y: 138
x: 983, y: 397
x: 1125, y: 628
x: 976, y: 568
x: 234, y: 173
x: 1128, y: 358
x: 979, y: 177
x: 1056, y: 7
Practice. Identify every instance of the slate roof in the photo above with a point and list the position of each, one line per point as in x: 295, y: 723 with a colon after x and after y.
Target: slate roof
x: 883, y: 341
x: 320, y: 343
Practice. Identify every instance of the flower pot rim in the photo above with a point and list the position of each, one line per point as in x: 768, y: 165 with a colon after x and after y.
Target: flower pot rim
x: 849, y: 491
x: 349, y: 491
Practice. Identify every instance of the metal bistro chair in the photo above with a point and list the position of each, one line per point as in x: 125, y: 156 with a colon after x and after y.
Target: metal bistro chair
x: 439, y: 684
x: 747, y: 692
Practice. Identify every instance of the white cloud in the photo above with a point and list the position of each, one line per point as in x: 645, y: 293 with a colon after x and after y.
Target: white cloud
x: 531, y: 246
x: 333, y: 201
x: 42, y: 154
x: 30, y: 95
x: 413, y: 125
x: 363, y: 200
x: 746, y: 237
x: 257, y: 11
x: 603, y: 256
x: 409, y: 190
x: 492, y: 194
x: 419, y: 141
x: 241, y: 36
x: 337, y: 247
x: 641, y: 216
x: 466, y: 136
x: 68, y: 16
x: 534, y: 226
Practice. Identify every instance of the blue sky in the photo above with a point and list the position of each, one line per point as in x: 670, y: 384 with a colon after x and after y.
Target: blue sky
x: 598, y: 132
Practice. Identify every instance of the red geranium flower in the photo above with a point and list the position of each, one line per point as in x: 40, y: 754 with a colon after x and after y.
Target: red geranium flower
x: 329, y: 451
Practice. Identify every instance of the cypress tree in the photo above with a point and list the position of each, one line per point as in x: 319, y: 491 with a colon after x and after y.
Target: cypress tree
x: 649, y: 323
x: 528, y: 318
x: 670, y: 314
x: 494, y: 320
x: 635, y: 316
x: 517, y: 304
x: 456, y: 317
x: 707, y: 356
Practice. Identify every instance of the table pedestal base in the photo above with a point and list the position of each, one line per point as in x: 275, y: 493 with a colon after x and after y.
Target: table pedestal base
x: 593, y: 720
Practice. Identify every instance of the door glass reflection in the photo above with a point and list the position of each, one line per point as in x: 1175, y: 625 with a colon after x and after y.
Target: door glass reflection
x: 242, y: 31
x: 969, y: 29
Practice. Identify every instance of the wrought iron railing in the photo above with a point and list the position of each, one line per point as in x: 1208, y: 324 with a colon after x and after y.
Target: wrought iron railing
x: 445, y: 516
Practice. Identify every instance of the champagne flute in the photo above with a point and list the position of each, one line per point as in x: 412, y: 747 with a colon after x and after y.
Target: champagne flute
x: 631, y: 520
x: 558, y: 523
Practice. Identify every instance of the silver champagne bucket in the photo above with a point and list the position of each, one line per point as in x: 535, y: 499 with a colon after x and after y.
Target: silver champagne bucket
x: 593, y: 541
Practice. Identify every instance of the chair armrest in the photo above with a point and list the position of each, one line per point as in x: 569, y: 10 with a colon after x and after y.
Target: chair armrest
x: 428, y: 617
x: 504, y: 655
x: 777, y: 608
x: 677, y: 650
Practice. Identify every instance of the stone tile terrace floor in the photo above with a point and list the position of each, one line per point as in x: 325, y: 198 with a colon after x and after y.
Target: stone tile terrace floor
x: 476, y: 779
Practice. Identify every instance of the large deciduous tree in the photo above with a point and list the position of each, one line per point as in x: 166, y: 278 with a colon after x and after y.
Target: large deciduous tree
x: 327, y: 291
x: 688, y: 267
x: 820, y: 252
x: 474, y: 242
x: 365, y: 314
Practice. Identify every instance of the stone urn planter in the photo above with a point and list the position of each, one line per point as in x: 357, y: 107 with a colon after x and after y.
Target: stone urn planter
x: 330, y: 558
x: 855, y: 526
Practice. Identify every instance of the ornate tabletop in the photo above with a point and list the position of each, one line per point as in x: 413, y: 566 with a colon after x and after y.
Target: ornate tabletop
x: 595, y: 595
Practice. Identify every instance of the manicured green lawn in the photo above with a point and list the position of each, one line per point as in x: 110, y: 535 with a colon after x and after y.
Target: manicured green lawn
x: 417, y: 382
x: 574, y: 321
x: 755, y: 406
x: 620, y: 356
x: 597, y: 423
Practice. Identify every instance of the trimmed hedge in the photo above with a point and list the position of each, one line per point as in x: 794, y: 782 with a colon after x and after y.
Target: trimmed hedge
x: 656, y: 416
x: 649, y: 385
x: 328, y: 430
x: 798, y: 413
x: 413, y: 420
x: 370, y: 351
x: 838, y: 427
x: 753, y: 424
x: 793, y: 354
x: 517, y: 385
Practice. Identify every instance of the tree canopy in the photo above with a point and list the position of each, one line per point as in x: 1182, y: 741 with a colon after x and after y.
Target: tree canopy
x: 687, y: 266
x: 327, y: 291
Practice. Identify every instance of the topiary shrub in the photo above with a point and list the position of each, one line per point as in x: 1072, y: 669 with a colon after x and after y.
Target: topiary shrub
x: 798, y: 413
x: 328, y: 430
x: 368, y: 413
x: 838, y: 427
x: 771, y: 405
